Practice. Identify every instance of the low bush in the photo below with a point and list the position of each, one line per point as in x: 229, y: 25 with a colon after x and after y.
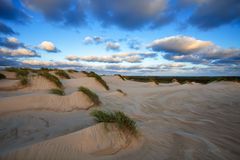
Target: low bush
x: 62, y: 74
x: 2, y: 76
x: 98, y: 78
x: 24, y: 80
x: 123, y: 121
x: 119, y: 90
x: 92, y: 96
x: 51, y: 78
x: 59, y: 92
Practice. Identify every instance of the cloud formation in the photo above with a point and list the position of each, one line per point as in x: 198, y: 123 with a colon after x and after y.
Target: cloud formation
x: 66, y: 12
x: 130, y: 57
x: 20, y: 52
x: 93, y: 40
x: 11, y: 42
x: 8, y: 11
x: 189, y: 49
x: 6, y: 30
x: 48, y: 46
x: 114, y: 46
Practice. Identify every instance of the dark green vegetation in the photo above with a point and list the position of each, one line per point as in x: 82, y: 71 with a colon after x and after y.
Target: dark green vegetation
x: 98, y: 78
x: 123, y: 121
x: 72, y: 71
x: 62, y: 74
x: 2, y: 76
x: 59, y: 92
x: 20, y: 72
x: 92, y: 96
x: 182, y: 80
x: 119, y: 75
x: 119, y: 90
x: 51, y: 78
x: 24, y: 80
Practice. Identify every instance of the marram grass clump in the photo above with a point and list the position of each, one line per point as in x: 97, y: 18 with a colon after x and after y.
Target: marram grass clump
x: 2, y: 76
x: 123, y: 122
x: 119, y: 90
x: 52, y: 78
x: 24, y: 80
x: 98, y: 78
x: 62, y: 74
x: 57, y: 91
x: 92, y: 96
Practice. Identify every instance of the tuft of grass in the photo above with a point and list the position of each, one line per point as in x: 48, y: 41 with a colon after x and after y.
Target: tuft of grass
x: 154, y: 81
x: 24, y: 80
x: 57, y: 91
x: 51, y: 78
x: 123, y: 122
x: 93, y: 96
x: 120, y: 76
x: 2, y: 76
x: 98, y: 78
x: 20, y: 72
x: 72, y: 71
x: 119, y: 90
x: 62, y: 74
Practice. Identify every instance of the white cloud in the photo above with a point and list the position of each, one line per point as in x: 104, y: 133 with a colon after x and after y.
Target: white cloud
x: 131, y: 57
x: 48, y: 46
x: 112, y: 46
x: 20, y: 52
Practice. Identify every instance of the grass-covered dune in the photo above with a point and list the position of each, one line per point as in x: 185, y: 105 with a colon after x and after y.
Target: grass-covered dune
x: 182, y: 80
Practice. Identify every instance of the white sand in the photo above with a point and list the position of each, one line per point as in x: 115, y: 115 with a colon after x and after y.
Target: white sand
x: 190, y: 121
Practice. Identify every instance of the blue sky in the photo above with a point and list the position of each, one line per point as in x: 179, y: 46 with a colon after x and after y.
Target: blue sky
x: 132, y: 37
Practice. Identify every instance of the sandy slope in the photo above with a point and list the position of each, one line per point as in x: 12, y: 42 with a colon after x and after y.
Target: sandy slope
x: 9, y: 75
x: 190, y: 121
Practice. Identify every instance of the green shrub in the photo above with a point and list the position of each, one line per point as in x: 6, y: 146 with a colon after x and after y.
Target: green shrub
x: 51, y: 78
x: 72, y: 71
x: 57, y: 91
x: 123, y: 121
x: 120, y: 76
x: 24, y: 80
x: 119, y: 90
x: 2, y: 76
x: 62, y: 74
x: 93, y: 96
x: 99, y: 79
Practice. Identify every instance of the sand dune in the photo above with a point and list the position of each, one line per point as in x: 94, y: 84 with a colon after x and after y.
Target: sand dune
x: 9, y: 85
x: 96, y: 140
x: 9, y: 75
x: 76, y: 100
x: 189, y: 121
x: 39, y: 83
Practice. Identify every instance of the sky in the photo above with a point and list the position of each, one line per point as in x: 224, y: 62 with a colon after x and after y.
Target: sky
x: 129, y: 37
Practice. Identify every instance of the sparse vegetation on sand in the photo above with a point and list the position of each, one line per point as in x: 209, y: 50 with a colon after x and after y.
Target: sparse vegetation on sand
x: 98, y: 78
x: 122, y: 120
x: 52, y: 78
x: 2, y: 76
x: 154, y: 81
x: 20, y: 72
x: 119, y: 90
x: 120, y: 76
x: 72, y: 71
x: 57, y: 91
x: 24, y: 80
x: 62, y: 74
x: 92, y: 96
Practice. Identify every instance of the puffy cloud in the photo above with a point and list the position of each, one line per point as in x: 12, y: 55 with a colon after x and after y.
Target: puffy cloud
x: 189, y: 49
x: 131, y: 57
x: 48, y: 46
x: 11, y: 42
x: 115, y: 46
x: 4, y: 29
x: 20, y: 52
x: 179, y: 44
x: 8, y: 11
x: 91, y: 40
